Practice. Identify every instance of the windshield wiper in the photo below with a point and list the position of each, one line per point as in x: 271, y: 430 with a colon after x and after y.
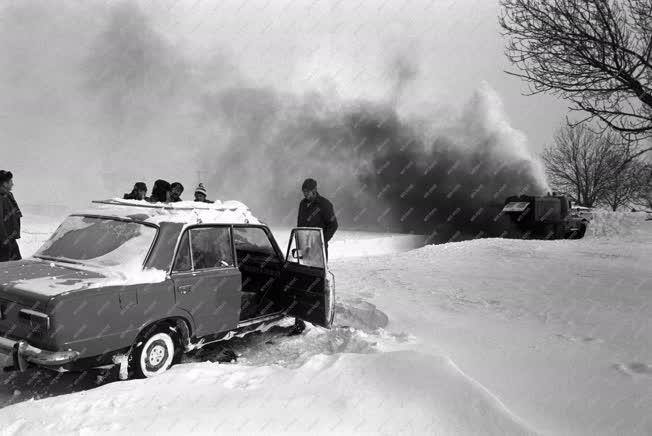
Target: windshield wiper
x: 59, y: 259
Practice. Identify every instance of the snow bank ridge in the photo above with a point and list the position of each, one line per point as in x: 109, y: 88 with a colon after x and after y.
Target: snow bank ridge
x: 619, y: 225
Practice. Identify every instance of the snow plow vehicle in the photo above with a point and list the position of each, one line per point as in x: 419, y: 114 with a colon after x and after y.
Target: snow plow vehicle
x: 135, y: 284
x: 544, y: 217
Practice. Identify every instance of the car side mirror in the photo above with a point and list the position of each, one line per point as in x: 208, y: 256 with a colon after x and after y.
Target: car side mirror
x: 296, y: 253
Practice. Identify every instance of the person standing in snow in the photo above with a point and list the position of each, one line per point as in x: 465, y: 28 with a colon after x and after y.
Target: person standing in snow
x: 160, y: 192
x: 10, y: 216
x: 316, y: 211
x: 138, y: 193
x: 176, y: 189
x: 200, y: 194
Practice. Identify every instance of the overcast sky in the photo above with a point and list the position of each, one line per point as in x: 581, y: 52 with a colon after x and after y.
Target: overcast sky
x: 58, y: 117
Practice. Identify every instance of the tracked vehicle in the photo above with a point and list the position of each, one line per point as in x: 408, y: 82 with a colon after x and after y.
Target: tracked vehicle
x: 543, y: 217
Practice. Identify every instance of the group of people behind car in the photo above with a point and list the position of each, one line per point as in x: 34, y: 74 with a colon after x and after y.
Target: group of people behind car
x: 164, y: 192
x: 314, y: 210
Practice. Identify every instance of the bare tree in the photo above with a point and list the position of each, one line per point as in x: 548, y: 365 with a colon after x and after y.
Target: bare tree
x: 582, y: 163
x: 595, y: 53
x: 644, y: 195
x: 629, y: 186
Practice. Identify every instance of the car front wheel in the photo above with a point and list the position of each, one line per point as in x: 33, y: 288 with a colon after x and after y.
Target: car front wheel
x: 154, y: 355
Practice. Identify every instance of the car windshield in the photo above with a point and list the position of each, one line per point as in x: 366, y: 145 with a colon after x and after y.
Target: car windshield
x: 98, y: 241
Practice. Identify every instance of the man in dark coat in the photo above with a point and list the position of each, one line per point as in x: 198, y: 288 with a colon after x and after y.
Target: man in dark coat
x: 9, y: 219
x: 316, y: 211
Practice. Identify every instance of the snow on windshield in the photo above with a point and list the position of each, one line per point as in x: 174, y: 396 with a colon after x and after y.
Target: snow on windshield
x: 66, y: 226
x: 99, y: 242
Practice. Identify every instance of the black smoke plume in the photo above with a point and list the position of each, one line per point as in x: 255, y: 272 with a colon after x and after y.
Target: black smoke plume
x: 382, y: 173
x: 100, y: 97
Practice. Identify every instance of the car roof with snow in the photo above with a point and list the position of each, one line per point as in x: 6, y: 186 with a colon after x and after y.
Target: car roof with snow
x: 183, y: 212
x: 157, y: 255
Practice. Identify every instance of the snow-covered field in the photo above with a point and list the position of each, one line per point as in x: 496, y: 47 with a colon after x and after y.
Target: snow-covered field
x: 479, y: 337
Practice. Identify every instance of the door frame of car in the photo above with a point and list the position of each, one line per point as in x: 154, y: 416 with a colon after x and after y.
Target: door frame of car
x: 270, y: 237
x: 277, y: 250
x: 320, y: 301
x: 181, y: 274
x: 263, y: 227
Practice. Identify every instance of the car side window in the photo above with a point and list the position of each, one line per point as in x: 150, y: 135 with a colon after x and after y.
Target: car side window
x: 252, y: 240
x: 211, y: 248
x: 306, y: 248
x: 182, y: 262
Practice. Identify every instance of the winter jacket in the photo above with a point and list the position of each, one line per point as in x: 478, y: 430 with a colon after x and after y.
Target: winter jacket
x: 318, y: 213
x: 131, y: 196
x: 10, y: 251
x: 10, y: 216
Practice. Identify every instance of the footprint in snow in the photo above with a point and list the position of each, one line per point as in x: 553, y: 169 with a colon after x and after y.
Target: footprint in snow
x: 360, y: 314
x: 582, y: 339
x: 635, y: 368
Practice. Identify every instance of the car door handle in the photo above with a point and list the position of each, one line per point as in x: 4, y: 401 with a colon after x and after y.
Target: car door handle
x: 185, y: 289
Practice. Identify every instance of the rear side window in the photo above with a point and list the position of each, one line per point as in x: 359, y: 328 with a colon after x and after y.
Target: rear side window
x: 252, y: 240
x: 204, y: 248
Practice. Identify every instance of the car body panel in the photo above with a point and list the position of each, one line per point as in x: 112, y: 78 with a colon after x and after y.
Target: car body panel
x: 118, y: 315
x: 211, y: 296
x: 34, y: 277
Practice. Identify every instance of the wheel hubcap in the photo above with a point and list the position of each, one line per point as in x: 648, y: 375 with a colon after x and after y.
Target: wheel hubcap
x: 157, y: 355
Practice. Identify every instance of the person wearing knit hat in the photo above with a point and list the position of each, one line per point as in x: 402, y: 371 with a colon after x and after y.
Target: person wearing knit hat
x: 200, y: 194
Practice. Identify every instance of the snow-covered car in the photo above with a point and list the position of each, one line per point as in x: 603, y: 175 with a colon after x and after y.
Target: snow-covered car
x: 137, y: 285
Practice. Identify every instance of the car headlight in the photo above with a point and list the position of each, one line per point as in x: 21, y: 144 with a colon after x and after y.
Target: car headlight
x: 38, y: 321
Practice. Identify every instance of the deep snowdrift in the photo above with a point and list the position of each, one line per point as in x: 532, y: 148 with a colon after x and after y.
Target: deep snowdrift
x: 479, y: 337
x: 624, y: 226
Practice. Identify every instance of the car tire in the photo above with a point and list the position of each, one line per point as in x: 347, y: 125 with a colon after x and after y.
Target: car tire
x: 154, y: 354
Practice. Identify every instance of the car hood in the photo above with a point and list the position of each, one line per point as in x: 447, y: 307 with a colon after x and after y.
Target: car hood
x: 34, y: 277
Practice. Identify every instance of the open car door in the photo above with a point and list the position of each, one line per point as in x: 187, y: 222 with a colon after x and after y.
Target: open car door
x: 307, y: 290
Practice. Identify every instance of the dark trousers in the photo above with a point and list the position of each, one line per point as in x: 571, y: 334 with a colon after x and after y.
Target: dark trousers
x: 9, y: 251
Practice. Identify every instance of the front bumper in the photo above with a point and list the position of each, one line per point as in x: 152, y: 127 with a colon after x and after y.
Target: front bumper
x: 23, y: 354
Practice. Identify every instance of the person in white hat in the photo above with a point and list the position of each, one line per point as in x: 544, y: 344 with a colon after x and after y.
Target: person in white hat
x: 200, y: 194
